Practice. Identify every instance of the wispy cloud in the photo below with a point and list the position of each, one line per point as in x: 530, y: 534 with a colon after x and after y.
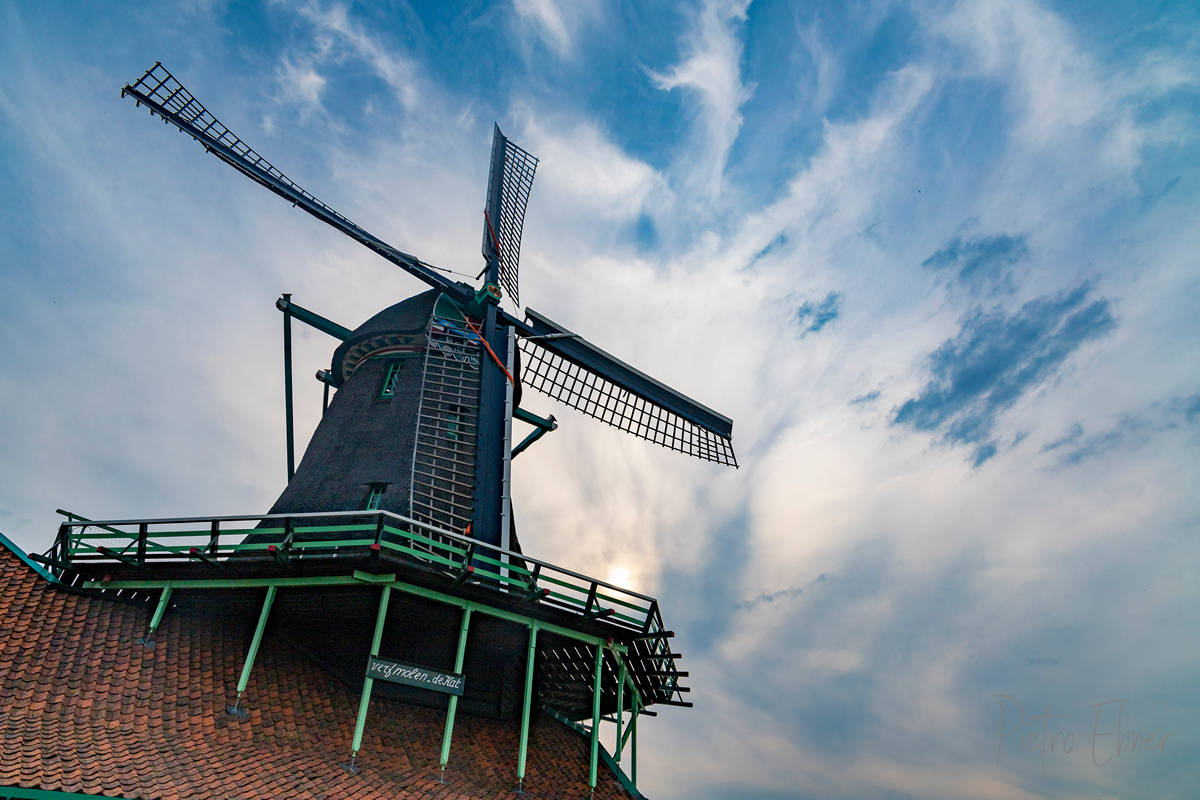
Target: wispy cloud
x: 980, y: 262
x: 780, y: 594
x: 710, y: 71
x: 1132, y: 429
x: 995, y: 359
x: 557, y: 23
x: 301, y: 84
x: 812, y: 317
x: 338, y: 36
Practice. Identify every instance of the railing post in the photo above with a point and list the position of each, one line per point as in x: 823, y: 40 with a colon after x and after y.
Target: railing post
x: 143, y: 529
x: 360, y: 722
x: 596, y: 717
x: 458, y: 668
x: 244, y: 680
x: 529, y: 659
x: 214, y: 537
x: 63, y: 543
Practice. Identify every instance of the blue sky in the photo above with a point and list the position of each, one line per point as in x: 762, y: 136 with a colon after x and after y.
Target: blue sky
x: 937, y: 260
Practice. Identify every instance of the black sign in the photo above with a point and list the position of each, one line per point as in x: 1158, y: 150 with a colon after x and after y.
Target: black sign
x: 412, y: 675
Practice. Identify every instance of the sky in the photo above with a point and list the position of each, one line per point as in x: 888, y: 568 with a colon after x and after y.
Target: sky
x: 939, y: 262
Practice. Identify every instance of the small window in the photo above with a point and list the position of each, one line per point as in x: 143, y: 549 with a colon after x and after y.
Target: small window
x: 373, y: 496
x: 391, y: 379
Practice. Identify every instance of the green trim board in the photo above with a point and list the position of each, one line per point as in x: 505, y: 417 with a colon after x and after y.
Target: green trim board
x: 357, y: 578
x: 17, y: 793
x: 12, y: 547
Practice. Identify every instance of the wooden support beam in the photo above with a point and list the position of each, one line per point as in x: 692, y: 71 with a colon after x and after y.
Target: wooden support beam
x: 458, y: 668
x: 163, y: 599
x: 364, y: 701
x: 533, y: 631
x: 596, y: 716
x: 255, y: 641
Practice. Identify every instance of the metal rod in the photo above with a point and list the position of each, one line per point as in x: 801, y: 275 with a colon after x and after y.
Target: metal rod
x: 244, y: 680
x: 533, y: 436
x: 458, y: 668
x: 533, y: 631
x: 596, y: 718
x: 287, y: 387
x: 547, y: 423
x: 368, y: 682
x: 330, y: 327
x: 163, y: 599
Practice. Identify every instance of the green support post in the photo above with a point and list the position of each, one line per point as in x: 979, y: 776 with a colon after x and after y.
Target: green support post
x: 458, y: 668
x: 620, y: 708
x: 163, y: 599
x: 369, y: 682
x: 596, y: 717
x: 637, y: 710
x: 254, y: 643
x: 533, y: 631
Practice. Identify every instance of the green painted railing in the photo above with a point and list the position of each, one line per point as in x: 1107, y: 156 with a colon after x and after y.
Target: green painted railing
x: 146, y: 544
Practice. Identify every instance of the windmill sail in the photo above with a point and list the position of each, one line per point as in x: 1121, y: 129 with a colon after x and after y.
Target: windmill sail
x: 573, y: 371
x: 509, y: 183
x: 165, y: 96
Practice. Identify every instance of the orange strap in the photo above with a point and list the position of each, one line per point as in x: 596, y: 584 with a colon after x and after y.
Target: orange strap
x: 491, y: 352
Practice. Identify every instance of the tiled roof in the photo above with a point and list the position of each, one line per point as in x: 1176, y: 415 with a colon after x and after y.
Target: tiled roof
x: 85, y: 708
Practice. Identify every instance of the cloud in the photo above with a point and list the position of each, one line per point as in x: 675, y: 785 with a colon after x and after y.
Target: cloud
x: 983, y: 453
x: 547, y: 18
x: 866, y: 399
x: 781, y: 594
x: 1129, y: 431
x: 557, y: 23
x: 812, y: 317
x: 711, y: 71
x: 1073, y: 435
x: 583, y: 169
x: 995, y: 359
x: 338, y: 36
x: 980, y: 262
x: 301, y: 84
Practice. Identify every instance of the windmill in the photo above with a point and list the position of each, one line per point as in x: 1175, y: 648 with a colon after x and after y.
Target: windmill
x: 427, y: 389
x: 403, y: 492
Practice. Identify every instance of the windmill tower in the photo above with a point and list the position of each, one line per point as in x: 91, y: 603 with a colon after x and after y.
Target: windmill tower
x: 405, y: 489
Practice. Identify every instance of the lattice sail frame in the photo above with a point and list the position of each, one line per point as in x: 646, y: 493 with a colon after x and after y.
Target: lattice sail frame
x: 517, y: 168
x: 160, y: 85
x: 597, y: 396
